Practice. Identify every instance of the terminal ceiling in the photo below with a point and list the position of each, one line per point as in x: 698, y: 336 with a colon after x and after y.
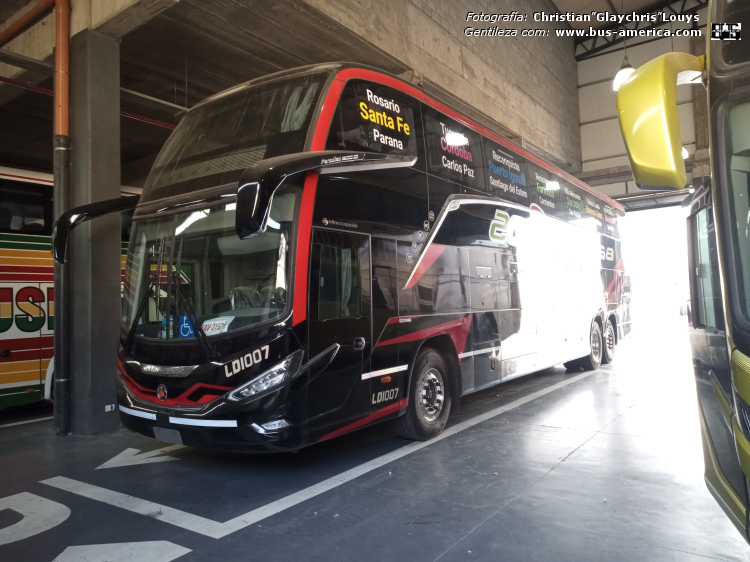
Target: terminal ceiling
x: 611, y: 6
x: 183, y: 55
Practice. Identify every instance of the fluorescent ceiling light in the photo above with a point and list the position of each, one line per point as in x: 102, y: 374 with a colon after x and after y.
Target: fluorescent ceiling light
x: 623, y: 74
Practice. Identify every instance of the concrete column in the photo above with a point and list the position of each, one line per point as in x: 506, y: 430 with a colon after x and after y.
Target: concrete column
x: 702, y: 158
x: 95, y: 245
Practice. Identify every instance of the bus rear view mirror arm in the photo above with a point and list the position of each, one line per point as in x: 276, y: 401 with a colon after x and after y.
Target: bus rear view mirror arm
x: 259, y: 182
x: 70, y: 219
x: 647, y: 110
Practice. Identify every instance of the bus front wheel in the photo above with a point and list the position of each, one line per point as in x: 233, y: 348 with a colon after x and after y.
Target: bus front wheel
x: 429, y: 399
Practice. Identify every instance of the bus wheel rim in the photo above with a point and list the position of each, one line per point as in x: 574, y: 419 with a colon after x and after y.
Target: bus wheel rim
x: 609, y: 339
x: 431, y: 395
x: 596, y: 346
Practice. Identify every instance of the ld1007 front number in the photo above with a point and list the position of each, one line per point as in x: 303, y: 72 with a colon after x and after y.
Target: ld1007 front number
x: 246, y: 361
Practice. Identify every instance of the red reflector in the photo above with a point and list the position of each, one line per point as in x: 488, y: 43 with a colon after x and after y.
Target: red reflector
x: 385, y: 379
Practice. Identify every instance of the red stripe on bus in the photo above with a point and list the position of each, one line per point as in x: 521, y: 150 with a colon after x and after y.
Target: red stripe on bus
x: 458, y: 330
x: 30, y: 277
x: 36, y: 342
x: 150, y: 395
x: 320, y: 135
x: 392, y: 409
x: 304, y: 235
x: 350, y: 73
x: 27, y: 268
x: 26, y: 178
x: 23, y: 355
x: 434, y: 251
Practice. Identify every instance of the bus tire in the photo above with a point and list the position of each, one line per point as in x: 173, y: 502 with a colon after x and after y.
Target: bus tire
x: 609, y: 342
x: 429, y: 398
x: 594, y: 359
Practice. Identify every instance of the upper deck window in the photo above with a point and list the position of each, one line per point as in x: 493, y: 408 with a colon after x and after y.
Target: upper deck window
x: 506, y: 173
x: 375, y: 118
x: 25, y: 208
x: 215, y: 142
x: 454, y: 151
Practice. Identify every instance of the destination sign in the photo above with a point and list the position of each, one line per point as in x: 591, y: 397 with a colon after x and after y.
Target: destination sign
x: 545, y: 191
x: 375, y: 118
x: 593, y: 209
x: 572, y: 198
x: 453, y: 151
x: 506, y: 173
x: 610, y: 220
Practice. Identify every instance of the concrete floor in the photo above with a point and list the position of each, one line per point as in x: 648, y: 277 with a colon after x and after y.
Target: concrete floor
x: 606, y: 466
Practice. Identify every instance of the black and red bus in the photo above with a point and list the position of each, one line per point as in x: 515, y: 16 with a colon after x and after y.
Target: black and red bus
x: 329, y: 247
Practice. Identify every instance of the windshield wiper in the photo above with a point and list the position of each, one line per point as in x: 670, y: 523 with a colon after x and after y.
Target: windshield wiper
x: 153, y: 282
x: 208, y: 347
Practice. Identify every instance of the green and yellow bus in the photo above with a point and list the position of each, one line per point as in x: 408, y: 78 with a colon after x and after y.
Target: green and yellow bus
x: 718, y: 228
x: 27, y: 294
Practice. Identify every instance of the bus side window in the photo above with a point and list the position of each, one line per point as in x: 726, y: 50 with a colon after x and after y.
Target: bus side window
x: 707, y: 308
x: 25, y: 208
x: 339, y: 291
x: 377, y: 118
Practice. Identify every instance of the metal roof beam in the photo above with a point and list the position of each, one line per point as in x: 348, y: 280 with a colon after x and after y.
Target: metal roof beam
x: 587, y: 47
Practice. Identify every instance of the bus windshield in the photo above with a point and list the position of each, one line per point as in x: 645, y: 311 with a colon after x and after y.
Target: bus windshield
x: 217, y: 140
x: 207, y: 275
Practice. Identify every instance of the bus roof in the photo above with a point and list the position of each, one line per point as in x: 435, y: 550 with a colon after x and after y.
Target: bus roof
x: 345, y: 71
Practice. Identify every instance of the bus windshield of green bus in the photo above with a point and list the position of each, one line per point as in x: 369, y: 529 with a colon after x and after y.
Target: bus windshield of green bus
x: 735, y: 13
x: 217, y: 140
x: 191, y: 269
x: 738, y: 158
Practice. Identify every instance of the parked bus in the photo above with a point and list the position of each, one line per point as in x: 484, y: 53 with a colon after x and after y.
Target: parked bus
x: 718, y: 228
x: 27, y: 293
x: 329, y: 247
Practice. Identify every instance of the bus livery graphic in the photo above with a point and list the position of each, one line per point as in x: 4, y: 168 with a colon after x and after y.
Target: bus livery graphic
x: 329, y: 247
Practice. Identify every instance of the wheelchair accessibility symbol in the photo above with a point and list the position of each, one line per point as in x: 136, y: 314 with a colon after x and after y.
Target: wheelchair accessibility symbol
x: 186, y: 328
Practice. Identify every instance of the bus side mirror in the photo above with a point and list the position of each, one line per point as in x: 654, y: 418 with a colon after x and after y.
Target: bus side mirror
x: 259, y: 182
x: 647, y: 109
x: 70, y: 219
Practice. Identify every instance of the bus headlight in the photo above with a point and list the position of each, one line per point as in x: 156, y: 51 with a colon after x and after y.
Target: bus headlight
x: 272, y: 378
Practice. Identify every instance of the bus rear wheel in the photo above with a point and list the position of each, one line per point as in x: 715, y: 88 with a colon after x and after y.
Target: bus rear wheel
x: 609, y: 341
x: 429, y: 399
x: 594, y: 359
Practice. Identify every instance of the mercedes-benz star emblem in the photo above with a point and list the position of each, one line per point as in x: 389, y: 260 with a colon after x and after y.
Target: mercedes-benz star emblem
x: 161, y: 392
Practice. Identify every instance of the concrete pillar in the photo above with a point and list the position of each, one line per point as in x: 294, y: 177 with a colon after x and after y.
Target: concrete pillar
x: 95, y: 245
x: 701, y: 158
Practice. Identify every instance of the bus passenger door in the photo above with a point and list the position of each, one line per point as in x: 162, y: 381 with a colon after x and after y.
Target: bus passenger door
x: 339, y: 313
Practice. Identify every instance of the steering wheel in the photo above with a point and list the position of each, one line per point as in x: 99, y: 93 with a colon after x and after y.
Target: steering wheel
x: 278, y: 297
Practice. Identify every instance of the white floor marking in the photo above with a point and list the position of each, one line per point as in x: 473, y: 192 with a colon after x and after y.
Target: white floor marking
x: 130, y: 457
x: 27, y: 421
x: 217, y: 530
x: 151, y: 551
x: 39, y: 515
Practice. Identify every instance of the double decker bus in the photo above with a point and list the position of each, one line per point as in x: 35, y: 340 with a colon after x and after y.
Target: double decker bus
x: 329, y: 247
x: 718, y: 230
x: 27, y: 292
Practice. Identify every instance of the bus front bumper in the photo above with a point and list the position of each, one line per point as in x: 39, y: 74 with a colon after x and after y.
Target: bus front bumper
x: 225, y: 433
